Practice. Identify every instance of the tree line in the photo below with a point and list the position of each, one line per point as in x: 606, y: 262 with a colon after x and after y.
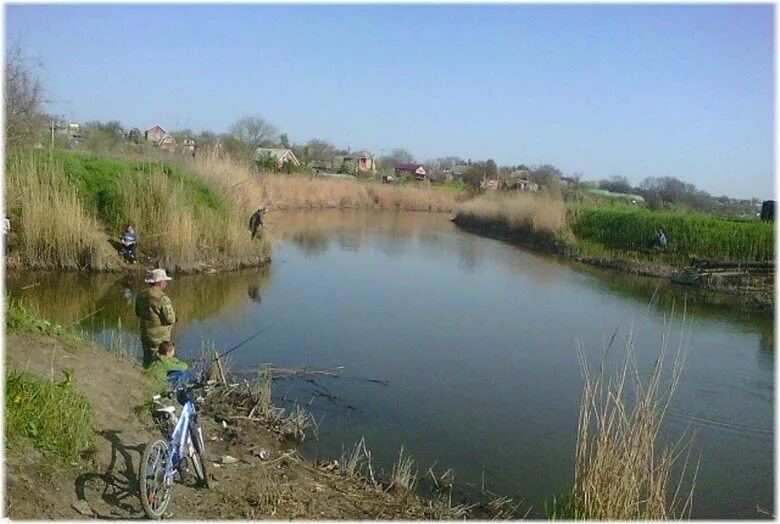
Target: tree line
x: 27, y: 124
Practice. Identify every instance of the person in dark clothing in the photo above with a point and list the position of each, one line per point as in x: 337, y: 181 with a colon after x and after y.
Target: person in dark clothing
x: 256, y: 221
x: 129, y: 243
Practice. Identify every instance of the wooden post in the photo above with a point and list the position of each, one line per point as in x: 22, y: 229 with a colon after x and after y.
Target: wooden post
x: 220, y: 369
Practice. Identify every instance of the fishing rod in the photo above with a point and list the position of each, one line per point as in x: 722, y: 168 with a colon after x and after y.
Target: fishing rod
x: 266, y: 328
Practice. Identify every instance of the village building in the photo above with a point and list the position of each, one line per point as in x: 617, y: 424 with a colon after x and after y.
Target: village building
x: 361, y: 161
x: 155, y: 133
x: 282, y: 156
x: 167, y: 143
x: 416, y: 169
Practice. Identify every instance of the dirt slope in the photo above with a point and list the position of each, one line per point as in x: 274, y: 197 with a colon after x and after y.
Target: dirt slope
x: 282, y: 486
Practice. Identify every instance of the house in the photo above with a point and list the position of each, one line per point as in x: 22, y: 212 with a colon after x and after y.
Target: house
x: 155, y: 134
x: 416, y: 169
x: 282, y: 156
x: 362, y: 160
x: 167, y: 143
x: 523, y: 184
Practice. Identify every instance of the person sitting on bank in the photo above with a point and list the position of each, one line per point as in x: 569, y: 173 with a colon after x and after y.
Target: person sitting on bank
x: 129, y: 240
x: 166, y: 361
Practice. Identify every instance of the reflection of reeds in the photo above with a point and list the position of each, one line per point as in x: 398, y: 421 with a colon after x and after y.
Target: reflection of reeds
x: 69, y: 297
x: 619, y: 473
x: 244, y: 188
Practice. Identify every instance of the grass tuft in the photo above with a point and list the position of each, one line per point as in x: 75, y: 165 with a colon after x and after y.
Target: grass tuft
x: 404, y: 476
x: 51, y: 415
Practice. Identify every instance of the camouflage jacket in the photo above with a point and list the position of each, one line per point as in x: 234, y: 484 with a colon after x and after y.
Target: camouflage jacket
x: 155, y: 310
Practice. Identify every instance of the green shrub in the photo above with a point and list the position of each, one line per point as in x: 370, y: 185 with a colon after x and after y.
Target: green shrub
x: 51, y: 415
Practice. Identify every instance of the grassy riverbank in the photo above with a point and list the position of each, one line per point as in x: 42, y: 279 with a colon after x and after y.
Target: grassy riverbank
x: 64, y: 207
x: 622, y: 238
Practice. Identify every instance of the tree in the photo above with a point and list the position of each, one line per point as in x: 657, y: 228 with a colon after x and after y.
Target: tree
x: 24, y: 118
x: 395, y: 157
x: 473, y: 176
x: 318, y: 150
x: 253, y: 131
x: 616, y: 184
x: 549, y: 177
x: 284, y: 140
x: 491, y: 169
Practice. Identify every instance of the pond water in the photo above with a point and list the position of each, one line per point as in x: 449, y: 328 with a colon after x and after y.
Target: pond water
x: 477, y: 340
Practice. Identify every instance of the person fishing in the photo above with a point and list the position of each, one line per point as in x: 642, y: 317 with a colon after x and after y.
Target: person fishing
x: 155, y: 310
x: 129, y: 241
x: 662, y: 242
x: 256, y: 221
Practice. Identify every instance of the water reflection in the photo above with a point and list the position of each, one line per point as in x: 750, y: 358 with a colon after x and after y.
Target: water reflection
x: 463, y: 328
x: 67, y: 298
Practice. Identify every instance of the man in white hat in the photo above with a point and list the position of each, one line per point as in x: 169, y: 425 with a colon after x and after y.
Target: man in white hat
x: 155, y: 310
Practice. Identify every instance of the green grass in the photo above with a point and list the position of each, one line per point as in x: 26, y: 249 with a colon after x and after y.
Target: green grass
x: 51, y: 415
x: 632, y: 231
x: 97, y: 178
x: 17, y: 318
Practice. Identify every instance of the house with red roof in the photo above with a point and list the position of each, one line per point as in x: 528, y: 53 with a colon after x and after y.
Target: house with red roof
x: 415, y: 169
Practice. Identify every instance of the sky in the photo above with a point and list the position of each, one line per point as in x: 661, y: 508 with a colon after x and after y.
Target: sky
x: 596, y: 90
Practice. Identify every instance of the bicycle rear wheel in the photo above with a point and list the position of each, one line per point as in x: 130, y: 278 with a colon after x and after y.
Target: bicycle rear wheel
x: 155, y: 492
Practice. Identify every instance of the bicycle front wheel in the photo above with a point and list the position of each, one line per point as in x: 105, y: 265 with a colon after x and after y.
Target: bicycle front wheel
x: 198, y: 463
x: 155, y: 491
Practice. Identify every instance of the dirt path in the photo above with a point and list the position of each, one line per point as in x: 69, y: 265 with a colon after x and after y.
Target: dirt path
x: 282, y: 485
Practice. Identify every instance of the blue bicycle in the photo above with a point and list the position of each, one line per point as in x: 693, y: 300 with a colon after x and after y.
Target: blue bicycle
x: 183, y: 444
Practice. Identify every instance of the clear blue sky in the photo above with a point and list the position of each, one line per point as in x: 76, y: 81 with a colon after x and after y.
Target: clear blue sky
x: 685, y: 91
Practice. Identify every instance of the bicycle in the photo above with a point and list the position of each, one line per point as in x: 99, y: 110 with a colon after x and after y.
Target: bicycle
x: 163, y: 459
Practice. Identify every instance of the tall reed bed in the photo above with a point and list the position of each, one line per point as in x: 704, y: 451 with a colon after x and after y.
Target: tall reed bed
x: 51, y: 227
x: 523, y: 215
x: 688, y: 234
x: 243, y: 187
x: 622, y: 472
x: 183, y: 223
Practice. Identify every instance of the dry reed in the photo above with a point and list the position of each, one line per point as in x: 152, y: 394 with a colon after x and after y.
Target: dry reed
x: 247, y: 190
x: 52, y: 229
x: 619, y: 473
x: 403, y: 476
x: 519, y: 211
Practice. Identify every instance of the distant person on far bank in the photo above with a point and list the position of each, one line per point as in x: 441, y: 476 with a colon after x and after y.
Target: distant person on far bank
x: 155, y: 310
x: 256, y: 221
x: 662, y: 239
x: 6, y: 231
x: 129, y: 242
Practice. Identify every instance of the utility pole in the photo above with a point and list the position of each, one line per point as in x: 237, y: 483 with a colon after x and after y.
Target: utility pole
x: 52, y: 134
